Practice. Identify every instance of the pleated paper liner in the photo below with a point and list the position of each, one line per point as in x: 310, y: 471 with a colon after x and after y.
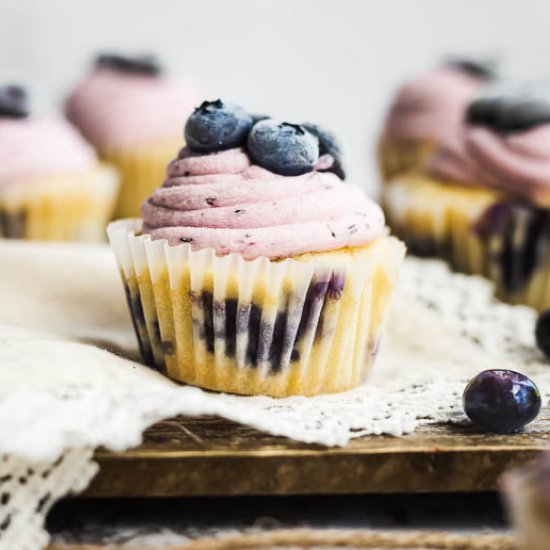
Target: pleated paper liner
x: 300, y: 326
x: 400, y: 156
x: 70, y: 207
x: 142, y: 170
x: 479, y: 231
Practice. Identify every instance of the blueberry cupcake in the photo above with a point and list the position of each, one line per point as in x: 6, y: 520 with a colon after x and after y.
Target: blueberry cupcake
x: 256, y: 269
x: 483, y: 199
x: 51, y: 183
x: 424, y: 110
x: 526, y: 493
x: 125, y: 107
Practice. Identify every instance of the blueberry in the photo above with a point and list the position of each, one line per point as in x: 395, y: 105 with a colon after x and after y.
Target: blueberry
x: 501, y: 401
x: 511, y: 108
x: 328, y: 145
x: 283, y: 148
x: 258, y: 118
x: 217, y: 125
x: 481, y: 68
x: 542, y: 332
x: 13, y: 102
x: 143, y: 64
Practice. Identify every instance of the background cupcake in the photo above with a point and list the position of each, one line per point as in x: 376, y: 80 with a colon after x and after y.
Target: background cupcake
x: 424, y: 110
x: 483, y: 200
x: 51, y: 184
x: 256, y: 269
x: 526, y: 492
x: 131, y: 113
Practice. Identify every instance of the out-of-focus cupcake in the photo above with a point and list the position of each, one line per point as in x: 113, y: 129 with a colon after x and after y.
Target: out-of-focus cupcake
x: 51, y: 184
x: 424, y: 110
x: 125, y: 107
x: 526, y: 492
x: 483, y: 200
x: 256, y: 270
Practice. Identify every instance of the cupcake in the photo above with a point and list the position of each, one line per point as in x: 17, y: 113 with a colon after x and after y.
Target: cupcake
x: 125, y: 107
x: 483, y: 199
x: 51, y: 184
x: 426, y: 109
x: 526, y: 492
x: 256, y: 269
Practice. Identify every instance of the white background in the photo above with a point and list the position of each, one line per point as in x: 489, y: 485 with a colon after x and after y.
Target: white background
x: 335, y: 62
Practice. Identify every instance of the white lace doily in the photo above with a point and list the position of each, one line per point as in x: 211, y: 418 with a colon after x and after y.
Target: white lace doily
x: 60, y: 398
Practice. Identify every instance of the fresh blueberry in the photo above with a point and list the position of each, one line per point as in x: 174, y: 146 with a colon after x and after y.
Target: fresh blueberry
x: 328, y: 145
x: 217, y: 125
x: 511, y: 107
x: 258, y: 118
x: 143, y: 64
x: 480, y: 68
x: 542, y: 332
x: 501, y: 401
x: 283, y: 148
x: 13, y: 102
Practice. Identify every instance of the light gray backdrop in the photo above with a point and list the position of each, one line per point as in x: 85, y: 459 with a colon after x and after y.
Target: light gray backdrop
x: 335, y: 62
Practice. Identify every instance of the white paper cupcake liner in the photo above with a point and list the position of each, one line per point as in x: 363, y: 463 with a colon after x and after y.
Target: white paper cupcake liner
x: 304, y: 325
x: 74, y: 207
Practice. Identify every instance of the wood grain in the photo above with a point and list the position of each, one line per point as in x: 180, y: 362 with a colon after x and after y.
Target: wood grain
x: 215, y: 457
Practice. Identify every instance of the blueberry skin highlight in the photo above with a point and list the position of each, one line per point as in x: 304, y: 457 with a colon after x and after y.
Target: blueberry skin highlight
x: 216, y: 126
x: 13, y: 102
x: 501, y: 401
x: 283, y: 148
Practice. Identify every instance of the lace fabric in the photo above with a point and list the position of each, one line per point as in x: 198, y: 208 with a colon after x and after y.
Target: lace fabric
x: 60, y: 398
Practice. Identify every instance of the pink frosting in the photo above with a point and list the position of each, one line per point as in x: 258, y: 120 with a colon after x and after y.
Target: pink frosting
x: 222, y: 201
x: 36, y: 147
x: 517, y: 163
x: 432, y: 104
x: 116, y: 109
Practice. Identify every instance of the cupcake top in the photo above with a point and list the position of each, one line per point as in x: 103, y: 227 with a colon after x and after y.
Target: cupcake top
x: 434, y: 102
x: 126, y: 101
x: 258, y: 187
x: 505, y: 145
x: 31, y: 147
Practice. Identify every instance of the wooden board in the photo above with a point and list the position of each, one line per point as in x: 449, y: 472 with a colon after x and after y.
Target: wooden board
x: 215, y: 457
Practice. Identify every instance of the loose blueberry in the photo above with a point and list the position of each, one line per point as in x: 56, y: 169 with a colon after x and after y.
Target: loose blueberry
x: 283, y: 148
x: 501, y: 401
x: 143, y: 64
x: 542, y: 332
x: 481, y: 68
x: 217, y: 125
x: 328, y: 145
x: 13, y: 102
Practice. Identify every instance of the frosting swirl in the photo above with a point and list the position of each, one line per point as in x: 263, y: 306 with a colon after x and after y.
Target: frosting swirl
x: 36, y: 147
x: 118, y: 109
x: 517, y: 163
x: 431, y: 104
x: 225, y: 202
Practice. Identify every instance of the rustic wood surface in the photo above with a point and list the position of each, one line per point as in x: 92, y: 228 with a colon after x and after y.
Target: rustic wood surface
x: 215, y: 457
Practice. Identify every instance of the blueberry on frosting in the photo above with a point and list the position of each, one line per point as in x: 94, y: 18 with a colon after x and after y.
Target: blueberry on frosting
x: 283, y: 148
x: 511, y: 109
x: 142, y: 64
x: 328, y: 145
x: 216, y: 126
x: 13, y: 102
x: 480, y: 68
